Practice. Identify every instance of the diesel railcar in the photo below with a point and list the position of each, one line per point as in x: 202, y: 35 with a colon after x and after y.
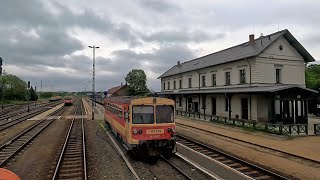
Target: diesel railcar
x: 68, y: 101
x: 143, y: 125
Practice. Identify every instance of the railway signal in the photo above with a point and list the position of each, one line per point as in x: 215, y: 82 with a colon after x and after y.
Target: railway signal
x: 0, y: 66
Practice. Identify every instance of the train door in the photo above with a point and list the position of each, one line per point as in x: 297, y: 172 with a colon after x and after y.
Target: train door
x: 127, y: 122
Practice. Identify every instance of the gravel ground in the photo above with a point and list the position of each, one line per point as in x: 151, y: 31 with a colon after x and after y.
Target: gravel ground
x: 187, y: 168
x: 41, y: 154
x: 103, y: 162
x: 297, y: 169
x: 9, y: 133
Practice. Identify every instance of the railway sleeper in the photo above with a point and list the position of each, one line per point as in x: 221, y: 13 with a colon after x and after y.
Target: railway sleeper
x: 72, y: 163
x: 78, y: 165
x: 70, y: 170
x: 70, y: 175
x: 263, y: 177
x: 72, y: 158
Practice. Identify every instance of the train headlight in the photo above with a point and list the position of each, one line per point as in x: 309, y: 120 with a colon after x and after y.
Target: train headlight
x: 140, y: 131
x: 135, y: 131
x: 170, y: 130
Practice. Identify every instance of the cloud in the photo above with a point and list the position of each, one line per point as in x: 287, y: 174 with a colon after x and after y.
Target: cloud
x: 47, y: 40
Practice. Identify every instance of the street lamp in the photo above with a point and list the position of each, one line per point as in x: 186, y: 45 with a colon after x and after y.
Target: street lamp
x: 93, y: 77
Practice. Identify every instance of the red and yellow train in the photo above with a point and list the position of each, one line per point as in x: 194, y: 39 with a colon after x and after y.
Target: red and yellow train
x: 68, y: 101
x: 144, y: 125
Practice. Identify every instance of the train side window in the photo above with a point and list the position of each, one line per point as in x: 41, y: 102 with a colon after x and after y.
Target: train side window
x: 126, y: 116
x: 120, y: 114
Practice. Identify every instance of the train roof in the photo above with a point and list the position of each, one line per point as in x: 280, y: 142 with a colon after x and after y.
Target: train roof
x: 126, y: 99
x: 122, y: 99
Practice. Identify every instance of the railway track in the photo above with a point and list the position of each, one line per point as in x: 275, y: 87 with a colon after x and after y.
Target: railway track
x: 72, y: 159
x: 254, y: 144
x: 9, y: 149
x: 20, y: 110
x: 9, y: 123
x: 176, y: 168
x: 247, y: 169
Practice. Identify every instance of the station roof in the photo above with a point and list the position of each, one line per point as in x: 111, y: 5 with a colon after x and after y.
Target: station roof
x: 248, y: 89
x: 241, y: 51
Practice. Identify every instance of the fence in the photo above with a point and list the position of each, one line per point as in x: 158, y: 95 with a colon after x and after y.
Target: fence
x: 316, y: 129
x: 280, y: 129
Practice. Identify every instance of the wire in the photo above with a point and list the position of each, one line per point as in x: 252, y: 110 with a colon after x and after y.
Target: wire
x: 107, y: 129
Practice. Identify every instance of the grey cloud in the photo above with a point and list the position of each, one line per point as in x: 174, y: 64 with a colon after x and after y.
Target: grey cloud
x: 158, y: 6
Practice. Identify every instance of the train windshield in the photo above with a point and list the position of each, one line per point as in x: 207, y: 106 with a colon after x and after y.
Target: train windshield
x: 142, y: 115
x: 164, y: 114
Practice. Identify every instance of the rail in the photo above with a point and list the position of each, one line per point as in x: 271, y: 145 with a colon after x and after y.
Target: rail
x: 247, y: 169
x: 73, y: 152
x: 280, y: 129
x: 9, y: 149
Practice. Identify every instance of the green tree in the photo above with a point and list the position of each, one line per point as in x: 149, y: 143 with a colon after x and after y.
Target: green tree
x: 137, y: 80
x: 14, y: 87
x: 313, y: 76
x: 46, y: 95
x: 33, y: 95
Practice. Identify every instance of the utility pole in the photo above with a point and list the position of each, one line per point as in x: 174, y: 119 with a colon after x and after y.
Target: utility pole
x: 93, y: 78
x: 2, y: 82
x: 28, y: 95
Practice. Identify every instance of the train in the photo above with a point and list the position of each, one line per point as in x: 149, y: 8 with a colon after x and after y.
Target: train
x: 55, y: 98
x: 144, y: 125
x: 68, y: 101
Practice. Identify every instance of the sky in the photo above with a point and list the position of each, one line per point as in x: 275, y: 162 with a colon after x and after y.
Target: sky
x: 47, y: 40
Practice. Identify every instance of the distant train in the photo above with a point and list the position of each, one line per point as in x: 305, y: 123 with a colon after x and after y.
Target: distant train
x: 55, y: 98
x: 68, y: 101
x: 143, y: 125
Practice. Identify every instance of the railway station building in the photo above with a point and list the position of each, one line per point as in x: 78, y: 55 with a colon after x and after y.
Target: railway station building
x: 262, y: 79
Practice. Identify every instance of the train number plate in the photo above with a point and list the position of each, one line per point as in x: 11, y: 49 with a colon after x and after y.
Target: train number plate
x: 155, y: 131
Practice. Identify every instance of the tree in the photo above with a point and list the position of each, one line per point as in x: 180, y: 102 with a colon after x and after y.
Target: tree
x: 46, y: 95
x: 33, y: 95
x: 313, y: 76
x: 14, y: 87
x: 137, y: 80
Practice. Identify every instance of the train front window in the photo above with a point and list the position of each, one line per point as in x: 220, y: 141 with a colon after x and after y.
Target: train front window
x: 164, y: 114
x: 142, y: 115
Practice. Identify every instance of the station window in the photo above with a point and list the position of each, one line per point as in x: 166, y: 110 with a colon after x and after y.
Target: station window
x: 214, y: 79
x: 278, y: 75
x: 164, y: 86
x: 180, y: 84
x: 203, y: 81
x: 174, y: 84
x: 189, y: 82
x: 168, y: 85
x: 227, y: 78
x: 242, y: 76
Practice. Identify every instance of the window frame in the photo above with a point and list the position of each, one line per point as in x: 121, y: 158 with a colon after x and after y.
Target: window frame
x: 203, y: 79
x: 153, y: 110
x: 168, y: 85
x: 214, y: 79
x: 278, y: 76
x: 228, y: 78
x: 242, y: 76
x: 180, y: 84
x: 174, y: 84
x: 190, y: 82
